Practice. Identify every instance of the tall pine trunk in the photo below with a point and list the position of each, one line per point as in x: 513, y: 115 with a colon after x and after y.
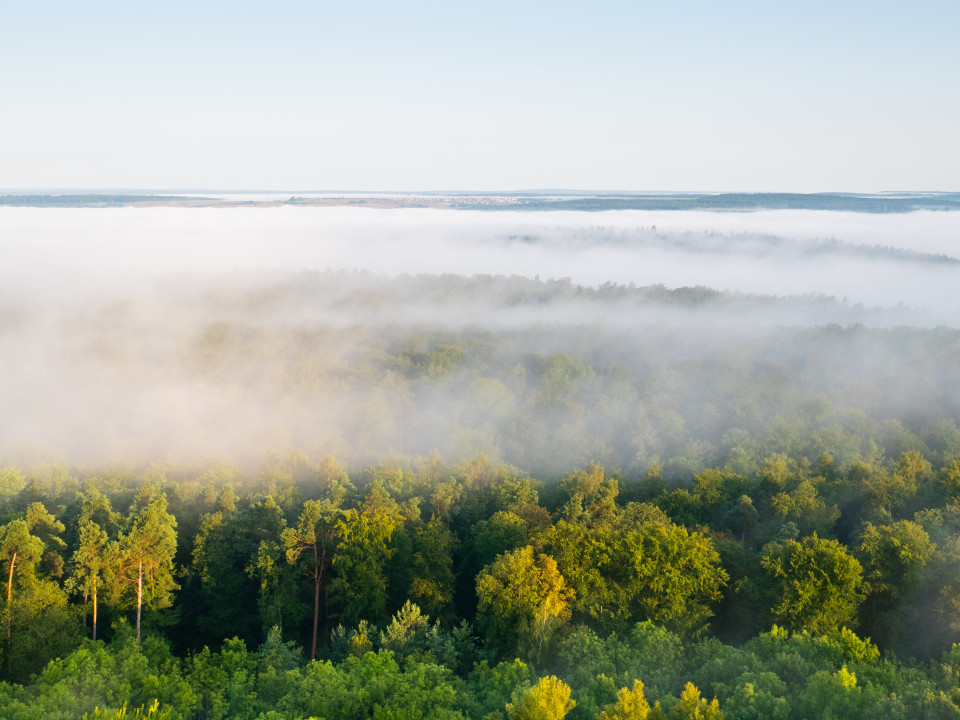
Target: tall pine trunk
x: 94, y: 609
x: 316, y: 615
x: 139, y: 595
x: 317, y: 578
x: 13, y: 561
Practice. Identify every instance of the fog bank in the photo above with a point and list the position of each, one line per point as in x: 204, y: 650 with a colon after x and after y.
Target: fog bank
x: 172, y: 333
x: 908, y: 259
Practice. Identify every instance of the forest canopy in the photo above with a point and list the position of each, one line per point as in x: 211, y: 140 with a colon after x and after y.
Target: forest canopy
x: 475, y: 590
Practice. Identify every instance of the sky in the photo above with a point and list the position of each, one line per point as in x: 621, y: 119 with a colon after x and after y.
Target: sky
x: 290, y: 95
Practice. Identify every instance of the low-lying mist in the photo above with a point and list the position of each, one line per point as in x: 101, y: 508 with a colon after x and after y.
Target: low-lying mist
x: 546, y: 339
x: 873, y: 259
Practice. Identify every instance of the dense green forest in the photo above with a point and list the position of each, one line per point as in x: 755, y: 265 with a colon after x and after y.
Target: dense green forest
x: 417, y: 589
x: 610, y: 502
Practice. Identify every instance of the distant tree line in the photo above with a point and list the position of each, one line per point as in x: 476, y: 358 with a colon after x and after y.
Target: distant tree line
x: 98, y: 200
x: 844, y: 202
x: 740, y: 201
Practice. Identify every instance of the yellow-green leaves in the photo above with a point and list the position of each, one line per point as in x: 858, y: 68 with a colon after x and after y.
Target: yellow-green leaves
x: 523, y: 599
x: 631, y: 705
x: 549, y: 699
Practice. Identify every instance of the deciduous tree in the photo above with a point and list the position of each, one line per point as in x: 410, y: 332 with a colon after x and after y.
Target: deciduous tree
x: 361, y: 555
x: 813, y: 584
x: 523, y: 600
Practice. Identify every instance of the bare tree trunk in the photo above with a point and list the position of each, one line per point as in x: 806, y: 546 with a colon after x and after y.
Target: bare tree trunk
x: 279, y: 608
x: 13, y: 561
x: 94, y: 609
x: 316, y: 614
x: 317, y: 577
x: 139, y: 597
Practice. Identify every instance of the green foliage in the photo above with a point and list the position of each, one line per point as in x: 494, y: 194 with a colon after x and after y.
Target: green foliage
x: 372, y: 685
x: 221, y: 553
x: 631, y: 705
x: 224, y: 682
x: 43, y: 627
x: 647, y: 652
x: 362, y: 553
x: 153, y: 712
x: 896, y: 558
x: 813, y: 585
x: 48, y: 529
x: 796, y: 657
x: 824, y: 676
x: 493, y: 687
x: 37, y: 621
x: 12, y: 481
x: 549, y: 699
x: 690, y: 706
x: 311, y: 545
x: 90, y: 566
x: 804, y: 507
x: 595, y: 548
x: 500, y: 533
x: 98, y: 676
x: 20, y: 551
x: 837, y: 695
x: 434, y: 364
x: 675, y: 574
x: 406, y: 630
x: 144, y: 573
x: 432, y: 583
x: 523, y: 601
x: 590, y: 562
x: 742, y: 518
x: 623, y: 572
x: 278, y: 601
x: 751, y: 703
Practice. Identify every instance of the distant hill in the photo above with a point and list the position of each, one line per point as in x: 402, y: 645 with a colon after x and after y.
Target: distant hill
x: 847, y: 202
x: 40, y: 200
x: 745, y: 201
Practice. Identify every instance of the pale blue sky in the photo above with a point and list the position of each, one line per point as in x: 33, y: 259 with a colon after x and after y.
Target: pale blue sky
x: 811, y: 96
